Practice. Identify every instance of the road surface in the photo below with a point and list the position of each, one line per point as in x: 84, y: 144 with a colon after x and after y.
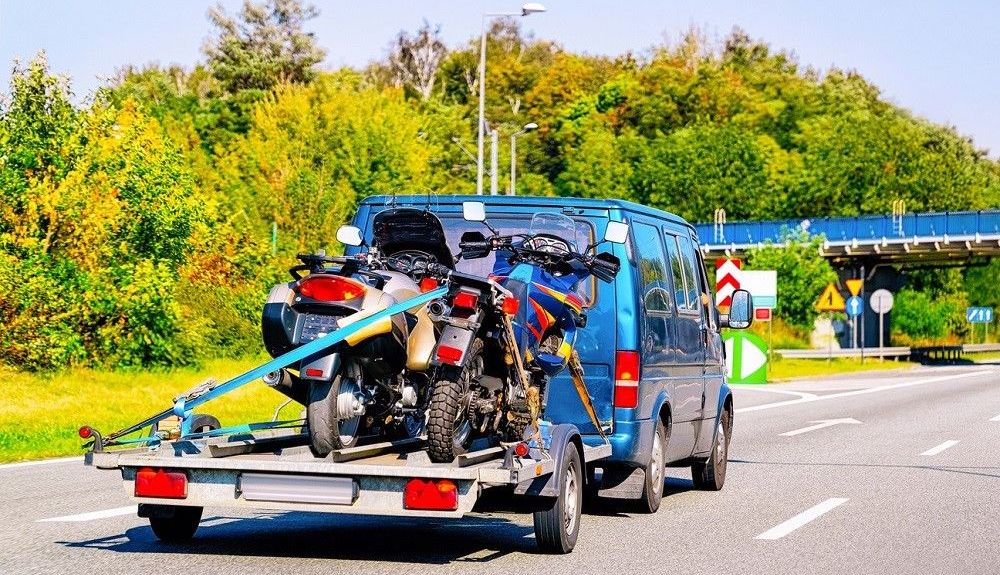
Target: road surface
x: 886, y: 472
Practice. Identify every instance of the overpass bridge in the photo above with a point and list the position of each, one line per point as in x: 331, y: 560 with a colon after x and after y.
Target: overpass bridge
x: 901, y: 238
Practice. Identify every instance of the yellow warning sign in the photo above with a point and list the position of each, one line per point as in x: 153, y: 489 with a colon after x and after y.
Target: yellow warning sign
x: 853, y: 286
x: 831, y: 300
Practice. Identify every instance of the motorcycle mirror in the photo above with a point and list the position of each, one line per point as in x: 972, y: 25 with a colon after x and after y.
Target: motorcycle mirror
x: 350, y: 236
x: 616, y: 232
x: 605, y: 266
x: 474, y: 211
x: 474, y: 245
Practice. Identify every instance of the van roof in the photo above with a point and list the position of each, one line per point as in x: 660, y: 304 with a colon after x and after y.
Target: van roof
x: 591, y: 203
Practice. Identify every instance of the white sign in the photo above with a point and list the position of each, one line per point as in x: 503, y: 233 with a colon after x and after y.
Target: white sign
x: 762, y: 285
x: 881, y: 301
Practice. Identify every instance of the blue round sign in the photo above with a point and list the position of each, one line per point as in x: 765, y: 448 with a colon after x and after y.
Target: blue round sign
x: 854, y: 306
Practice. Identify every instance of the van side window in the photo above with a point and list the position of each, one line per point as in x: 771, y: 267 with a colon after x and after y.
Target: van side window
x: 676, y: 270
x: 690, y: 261
x: 655, y: 285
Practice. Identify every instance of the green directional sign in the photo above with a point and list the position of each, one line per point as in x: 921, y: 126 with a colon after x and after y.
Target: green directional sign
x: 746, y: 357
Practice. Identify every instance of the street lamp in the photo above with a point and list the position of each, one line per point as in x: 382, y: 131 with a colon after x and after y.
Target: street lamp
x: 531, y: 126
x: 526, y: 10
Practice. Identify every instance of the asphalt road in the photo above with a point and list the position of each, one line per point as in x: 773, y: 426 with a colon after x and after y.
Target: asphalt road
x: 905, y: 479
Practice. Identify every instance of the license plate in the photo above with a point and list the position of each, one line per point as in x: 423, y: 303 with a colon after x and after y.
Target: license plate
x: 298, y: 488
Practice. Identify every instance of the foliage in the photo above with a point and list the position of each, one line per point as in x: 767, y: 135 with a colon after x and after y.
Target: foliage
x: 802, y: 275
x: 414, y: 61
x: 921, y: 316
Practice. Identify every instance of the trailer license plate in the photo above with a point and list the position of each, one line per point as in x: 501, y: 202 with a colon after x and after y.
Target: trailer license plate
x: 298, y: 488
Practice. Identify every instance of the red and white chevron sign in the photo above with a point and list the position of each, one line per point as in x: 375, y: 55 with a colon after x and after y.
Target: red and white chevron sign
x: 727, y: 280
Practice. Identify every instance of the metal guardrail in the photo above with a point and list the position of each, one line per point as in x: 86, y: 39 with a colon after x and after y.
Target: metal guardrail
x: 883, y: 352
x: 871, y: 228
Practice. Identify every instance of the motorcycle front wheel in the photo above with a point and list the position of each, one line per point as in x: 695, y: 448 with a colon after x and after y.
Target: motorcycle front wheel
x: 449, y: 424
x: 329, y: 429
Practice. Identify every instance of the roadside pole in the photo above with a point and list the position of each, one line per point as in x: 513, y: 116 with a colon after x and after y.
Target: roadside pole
x: 862, y: 314
x: 829, y: 358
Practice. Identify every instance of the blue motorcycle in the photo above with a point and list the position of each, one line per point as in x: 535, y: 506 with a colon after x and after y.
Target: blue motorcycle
x: 504, y: 336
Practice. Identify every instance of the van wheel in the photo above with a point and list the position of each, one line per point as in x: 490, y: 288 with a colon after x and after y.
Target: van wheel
x: 710, y: 475
x: 557, y: 528
x: 178, y: 527
x: 652, y: 489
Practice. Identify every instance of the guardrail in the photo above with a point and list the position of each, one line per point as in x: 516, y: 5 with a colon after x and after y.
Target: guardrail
x: 928, y: 352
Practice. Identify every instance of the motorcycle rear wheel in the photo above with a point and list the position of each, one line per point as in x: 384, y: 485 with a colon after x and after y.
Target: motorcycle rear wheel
x: 328, y: 432
x: 449, y: 428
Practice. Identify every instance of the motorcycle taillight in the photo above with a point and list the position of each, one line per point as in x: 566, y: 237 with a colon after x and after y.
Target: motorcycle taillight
x: 325, y: 287
x: 465, y: 300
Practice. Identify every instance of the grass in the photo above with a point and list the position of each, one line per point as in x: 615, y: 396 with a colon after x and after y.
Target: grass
x: 782, y: 369
x: 40, y: 414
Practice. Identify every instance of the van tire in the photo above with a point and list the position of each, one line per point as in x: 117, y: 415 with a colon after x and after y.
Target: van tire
x: 652, y: 489
x: 557, y: 528
x: 710, y: 475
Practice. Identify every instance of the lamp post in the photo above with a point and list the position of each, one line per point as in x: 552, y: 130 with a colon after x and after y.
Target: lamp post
x: 527, y: 9
x: 513, y: 155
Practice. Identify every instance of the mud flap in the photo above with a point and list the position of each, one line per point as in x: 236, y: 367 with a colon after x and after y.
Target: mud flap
x: 562, y: 436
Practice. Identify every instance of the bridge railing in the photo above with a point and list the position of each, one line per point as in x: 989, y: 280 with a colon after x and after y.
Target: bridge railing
x: 862, y: 228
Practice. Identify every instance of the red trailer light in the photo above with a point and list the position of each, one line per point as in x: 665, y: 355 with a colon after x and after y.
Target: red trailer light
x: 326, y: 287
x: 521, y: 449
x: 626, y: 379
x: 449, y: 355
x: 151, y: 482
x: 85, y: 432
x: 465, y: 300
x: 430, y: 495
x: 313, y: 372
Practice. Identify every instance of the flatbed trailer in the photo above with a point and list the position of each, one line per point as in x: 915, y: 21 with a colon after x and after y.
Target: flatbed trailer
x: 173, y: 481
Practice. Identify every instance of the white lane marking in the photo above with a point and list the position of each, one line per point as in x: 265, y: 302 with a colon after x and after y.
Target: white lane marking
x: 772, y: 390
x: 939, y: 448
x: 862, y: 391
x: 820, y: 424
x: 996, y: 418
x: 76, y: 458
x: 94, y: 515
x: 782, y: 529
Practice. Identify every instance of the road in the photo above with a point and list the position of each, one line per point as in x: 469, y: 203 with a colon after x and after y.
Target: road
x: 905, y: 479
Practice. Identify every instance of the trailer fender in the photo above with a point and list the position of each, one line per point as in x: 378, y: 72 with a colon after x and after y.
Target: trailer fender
x: 565, y: 436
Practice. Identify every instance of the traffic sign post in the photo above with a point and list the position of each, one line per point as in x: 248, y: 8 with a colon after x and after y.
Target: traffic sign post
x: 830, y: 299
x: 746, y: 357
x: 983, y: 315
x: 854, y: 308
x: 881, y: 302
x: 727, y: 280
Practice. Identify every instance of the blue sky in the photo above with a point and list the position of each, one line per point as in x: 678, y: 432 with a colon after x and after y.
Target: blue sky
x: 938, y: 59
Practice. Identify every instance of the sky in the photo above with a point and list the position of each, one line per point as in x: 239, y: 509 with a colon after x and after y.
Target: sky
x: 939, y: 59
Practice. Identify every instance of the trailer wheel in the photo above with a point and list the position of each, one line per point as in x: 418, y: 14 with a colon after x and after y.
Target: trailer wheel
x: 327, y: 431
x: 710, y: 475
x: 556, y: 529
x: 179, y: 527
x: 449, y: 424
x: 202, y: 422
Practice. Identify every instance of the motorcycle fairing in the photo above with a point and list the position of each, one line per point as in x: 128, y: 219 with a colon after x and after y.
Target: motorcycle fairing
x: 399, y: 229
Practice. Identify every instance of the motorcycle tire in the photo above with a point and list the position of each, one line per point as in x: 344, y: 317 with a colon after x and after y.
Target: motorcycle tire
x: 449, y: 430
x: 326, y: 431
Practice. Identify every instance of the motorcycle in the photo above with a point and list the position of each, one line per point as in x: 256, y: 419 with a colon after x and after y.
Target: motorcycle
x: 376, y: 383
x: 504, y: 337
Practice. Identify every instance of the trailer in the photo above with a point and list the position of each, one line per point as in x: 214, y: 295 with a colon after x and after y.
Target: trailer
x: 273, y: 469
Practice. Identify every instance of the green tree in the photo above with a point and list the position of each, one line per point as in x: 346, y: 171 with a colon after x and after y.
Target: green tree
x: 802, y: 275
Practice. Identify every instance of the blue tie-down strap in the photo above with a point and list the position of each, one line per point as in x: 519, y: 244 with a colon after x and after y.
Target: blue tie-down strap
x: 183, y: 406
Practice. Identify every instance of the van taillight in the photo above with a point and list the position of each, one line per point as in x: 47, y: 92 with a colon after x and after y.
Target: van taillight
x: 151, y: 482
x: 430, y: 494
x: 626, y: 378
x: 325, y: 287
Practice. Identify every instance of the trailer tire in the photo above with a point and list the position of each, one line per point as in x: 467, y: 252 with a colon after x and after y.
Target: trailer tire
x: 449, y: 430
x: 178, y: 528
x: 202, y: 422
x: 321, y: 413
x: 710, y: 475
x: 557, y: 528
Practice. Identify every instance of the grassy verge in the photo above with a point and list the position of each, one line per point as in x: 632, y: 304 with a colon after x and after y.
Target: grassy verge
x: 782, y: 369
x: 40, y: 414
x: 984, y: 356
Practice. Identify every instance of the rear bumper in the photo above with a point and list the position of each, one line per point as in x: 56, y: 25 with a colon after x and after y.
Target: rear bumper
x: 630, y: 442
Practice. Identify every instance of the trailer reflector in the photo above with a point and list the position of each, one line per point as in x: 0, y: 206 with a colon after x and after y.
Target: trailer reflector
x: 430, y: 495
x: 160, y: 483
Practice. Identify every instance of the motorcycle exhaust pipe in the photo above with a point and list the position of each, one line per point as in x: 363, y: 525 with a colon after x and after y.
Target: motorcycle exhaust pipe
x: 437, y: 308
x: 288, y: 384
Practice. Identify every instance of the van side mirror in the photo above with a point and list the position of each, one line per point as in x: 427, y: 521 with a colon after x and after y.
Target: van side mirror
x: 740, y: 310
x: 474, y: 211
x: 350, y: 236
x: 616, y: 232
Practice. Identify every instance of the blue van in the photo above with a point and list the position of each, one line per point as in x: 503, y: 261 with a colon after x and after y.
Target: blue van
x: 651, y: 350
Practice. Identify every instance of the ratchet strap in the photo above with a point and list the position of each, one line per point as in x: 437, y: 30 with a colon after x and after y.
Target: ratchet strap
x: 576, y: 374
x: 184, y: 405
